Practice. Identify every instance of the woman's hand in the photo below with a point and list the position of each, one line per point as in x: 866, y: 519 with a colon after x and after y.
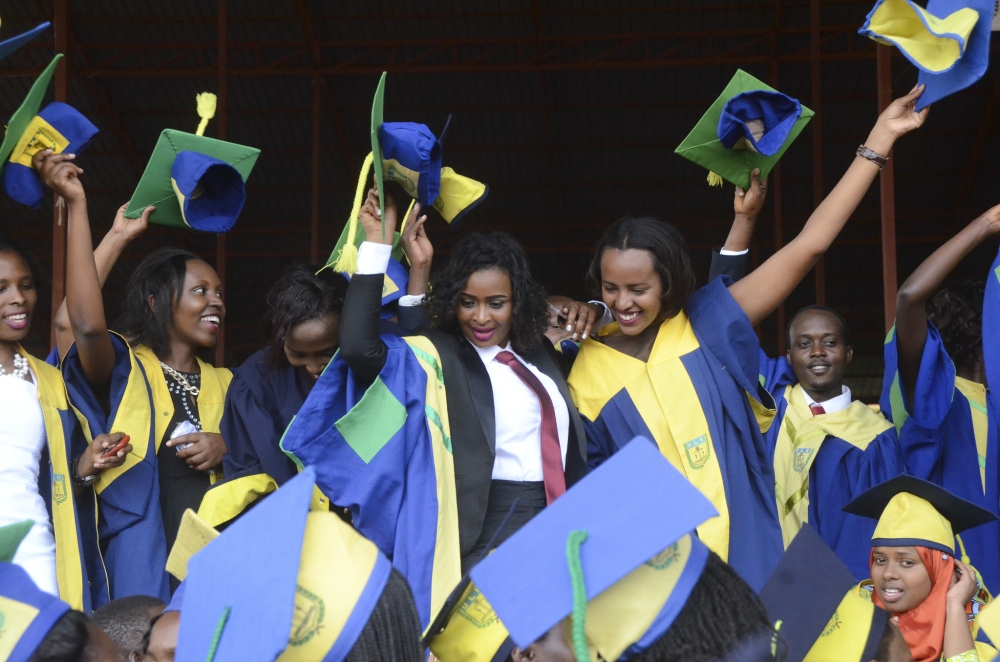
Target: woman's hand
x: 576, y: 317
x: 204, y: 453
x: 92, y: 462
x: 963, y: 586
x: 898, y: 119
x: 417, y: 246
x: 370, y: 221
x: 127, y: 229
x: 749, y: 203
x: 59, y: 174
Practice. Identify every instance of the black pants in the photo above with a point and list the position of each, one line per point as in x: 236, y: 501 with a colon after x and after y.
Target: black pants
x: 530, y: 497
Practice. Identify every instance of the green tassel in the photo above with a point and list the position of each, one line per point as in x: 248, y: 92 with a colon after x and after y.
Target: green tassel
x: 219, y: 627
x: 714, y: 179
x: 573, y: 543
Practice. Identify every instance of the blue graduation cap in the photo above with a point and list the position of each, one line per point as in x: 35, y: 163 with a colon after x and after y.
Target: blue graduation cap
x: 809, y: 589
x: 281, y: 581
x: 58, y: 127
x: 8, y: 46
x: 763, y: 119
x: 634, y: 515
x: 411, y: 157
x: 949, y: 41
x: 28, y: 612
x: 393, y: 287
x: 210, y: 191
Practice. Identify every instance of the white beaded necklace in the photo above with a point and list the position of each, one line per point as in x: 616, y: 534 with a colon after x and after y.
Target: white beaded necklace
x: 20, y: 367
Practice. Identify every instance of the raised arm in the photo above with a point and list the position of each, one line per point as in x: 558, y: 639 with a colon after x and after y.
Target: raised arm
x: 732, y: 260
x: 767, y: 286
x: 122, y: 232
x: 911, y: 301
x: 360, y: 344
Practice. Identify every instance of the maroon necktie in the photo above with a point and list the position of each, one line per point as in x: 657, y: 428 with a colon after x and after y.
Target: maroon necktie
x: 552, y: 468
x: 816, y: 409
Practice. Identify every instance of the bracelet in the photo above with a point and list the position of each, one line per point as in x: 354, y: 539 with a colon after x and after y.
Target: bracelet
x: 872, y: 156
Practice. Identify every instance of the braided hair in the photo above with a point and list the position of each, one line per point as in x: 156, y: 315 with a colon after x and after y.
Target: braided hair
x: 66, y: 641
x: 957, y: 312
x: 393, y: 629
x: 720, y: 616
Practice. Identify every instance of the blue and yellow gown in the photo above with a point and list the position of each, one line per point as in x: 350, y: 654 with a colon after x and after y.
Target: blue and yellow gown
x: 83, y: 583
x: 822, y: 462
x: 698, y: 396
x: 950, y: 436
x: 131, y: 524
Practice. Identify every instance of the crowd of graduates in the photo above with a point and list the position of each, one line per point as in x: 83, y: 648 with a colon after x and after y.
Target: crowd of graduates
x: 446, y: 461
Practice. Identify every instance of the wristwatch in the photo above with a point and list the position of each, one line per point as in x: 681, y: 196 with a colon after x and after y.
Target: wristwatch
x: 77, y: 479
x: 872, y: 156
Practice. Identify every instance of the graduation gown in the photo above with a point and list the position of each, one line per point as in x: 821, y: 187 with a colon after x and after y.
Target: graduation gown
x: 260, y: 403
x: 384, y: 451
x: 698, y: 396
x: 950, y: 438
x: 130, y: 523
x: 822, y: 462
x: 83, y: 583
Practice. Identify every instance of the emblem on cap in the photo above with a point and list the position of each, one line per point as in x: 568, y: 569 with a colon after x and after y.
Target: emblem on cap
x: 477, y: 611
x: 307, y: 620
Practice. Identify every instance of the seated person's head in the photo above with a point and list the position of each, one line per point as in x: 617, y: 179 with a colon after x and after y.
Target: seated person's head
x: 721, y: 614
x: 892, y: 646
x: 74, y: 639
x: 160, y: 642
x: 819, y: 350
x: 126, y: 621
x: 957, y: 312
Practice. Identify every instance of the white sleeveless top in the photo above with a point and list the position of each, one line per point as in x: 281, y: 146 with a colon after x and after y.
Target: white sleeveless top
x: 22, y: 440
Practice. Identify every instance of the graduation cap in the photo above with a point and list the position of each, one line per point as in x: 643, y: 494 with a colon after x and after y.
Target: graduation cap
x: 194, y: 181
x: 949, y: 41
x: 8, y: 46
x: 821, y: 617
x: 615, y: 552
x: 409, y: 154
x: 911, y: 511
x: 28, y: 612
x: 749, y: 126
x: 58, y: 127
x: 393, y: 286
x: 26, y: 113
x: 267, y: 587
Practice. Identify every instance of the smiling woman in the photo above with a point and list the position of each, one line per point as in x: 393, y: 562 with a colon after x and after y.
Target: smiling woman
x: 146, y: 382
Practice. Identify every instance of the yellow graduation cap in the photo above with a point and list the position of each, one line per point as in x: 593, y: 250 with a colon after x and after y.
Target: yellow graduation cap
x: 911, y: 511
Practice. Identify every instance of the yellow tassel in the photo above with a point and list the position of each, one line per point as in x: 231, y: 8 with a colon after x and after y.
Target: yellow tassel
x: 402, y: 227
x: 714, y: 179
x: 347, y: 261
x: 206, y: 110
x: 961, y: 548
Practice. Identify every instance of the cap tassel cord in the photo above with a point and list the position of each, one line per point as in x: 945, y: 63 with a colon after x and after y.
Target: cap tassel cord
x: 573, y: 543
x: 217, y: 636
x: 774, y: 640
x: 714, y: 179
x: 206, y: 110
x: 347, y: 261
x: 961, y: 548
x: 402, y: 227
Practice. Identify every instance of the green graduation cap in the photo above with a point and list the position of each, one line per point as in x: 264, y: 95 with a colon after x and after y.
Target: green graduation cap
x: 19, y: 121
x: 194, y: 181
x: 749, y: 126
x: 377, y: 105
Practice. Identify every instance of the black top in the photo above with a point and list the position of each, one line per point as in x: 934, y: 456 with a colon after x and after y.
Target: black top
x: 181, y: 486
x: 470, y: 400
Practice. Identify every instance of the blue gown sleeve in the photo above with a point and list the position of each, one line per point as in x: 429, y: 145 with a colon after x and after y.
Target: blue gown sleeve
x: 935, y: 387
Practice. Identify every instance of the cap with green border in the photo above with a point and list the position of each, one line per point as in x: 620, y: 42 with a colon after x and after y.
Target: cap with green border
x: 915, y: 512
x: 949, y: 41
x: 816, y: 613
x: 410, y: 155
x: 28, y: 612
x: 194, y: 181
x: 281, y: 581
x: 17, y: 125
x: 615, y: 553
x: 749, y: 126
x: 9, y: 46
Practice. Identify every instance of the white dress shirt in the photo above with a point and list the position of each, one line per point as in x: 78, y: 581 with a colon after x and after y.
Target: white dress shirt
x: 517, y: 413
x: 842, y: 401
x: 22, y: 440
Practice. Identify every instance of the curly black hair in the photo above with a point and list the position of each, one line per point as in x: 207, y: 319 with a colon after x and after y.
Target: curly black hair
x: 479, y: 252
x: 300, y: 295
x: 8, y: 245
x: 957, y: 312
x: 668, y: 250
x: 161, y: 276
x: 66, y: 641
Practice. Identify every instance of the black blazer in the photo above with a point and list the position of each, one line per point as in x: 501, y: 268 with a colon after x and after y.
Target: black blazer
x: 734, y: 266
x: 470, y: 399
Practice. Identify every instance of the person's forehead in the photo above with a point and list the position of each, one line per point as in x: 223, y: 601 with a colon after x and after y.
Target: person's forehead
x: 816, y: 322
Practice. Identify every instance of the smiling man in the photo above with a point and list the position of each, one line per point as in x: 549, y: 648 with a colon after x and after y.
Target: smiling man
x: 826, y: 447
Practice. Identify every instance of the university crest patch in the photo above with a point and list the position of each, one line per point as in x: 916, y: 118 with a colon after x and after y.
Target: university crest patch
x: 477, y: 611
x: 307, y: 620
x: 801, y: 459
x: 59, y: 488
x: 698, y: 451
